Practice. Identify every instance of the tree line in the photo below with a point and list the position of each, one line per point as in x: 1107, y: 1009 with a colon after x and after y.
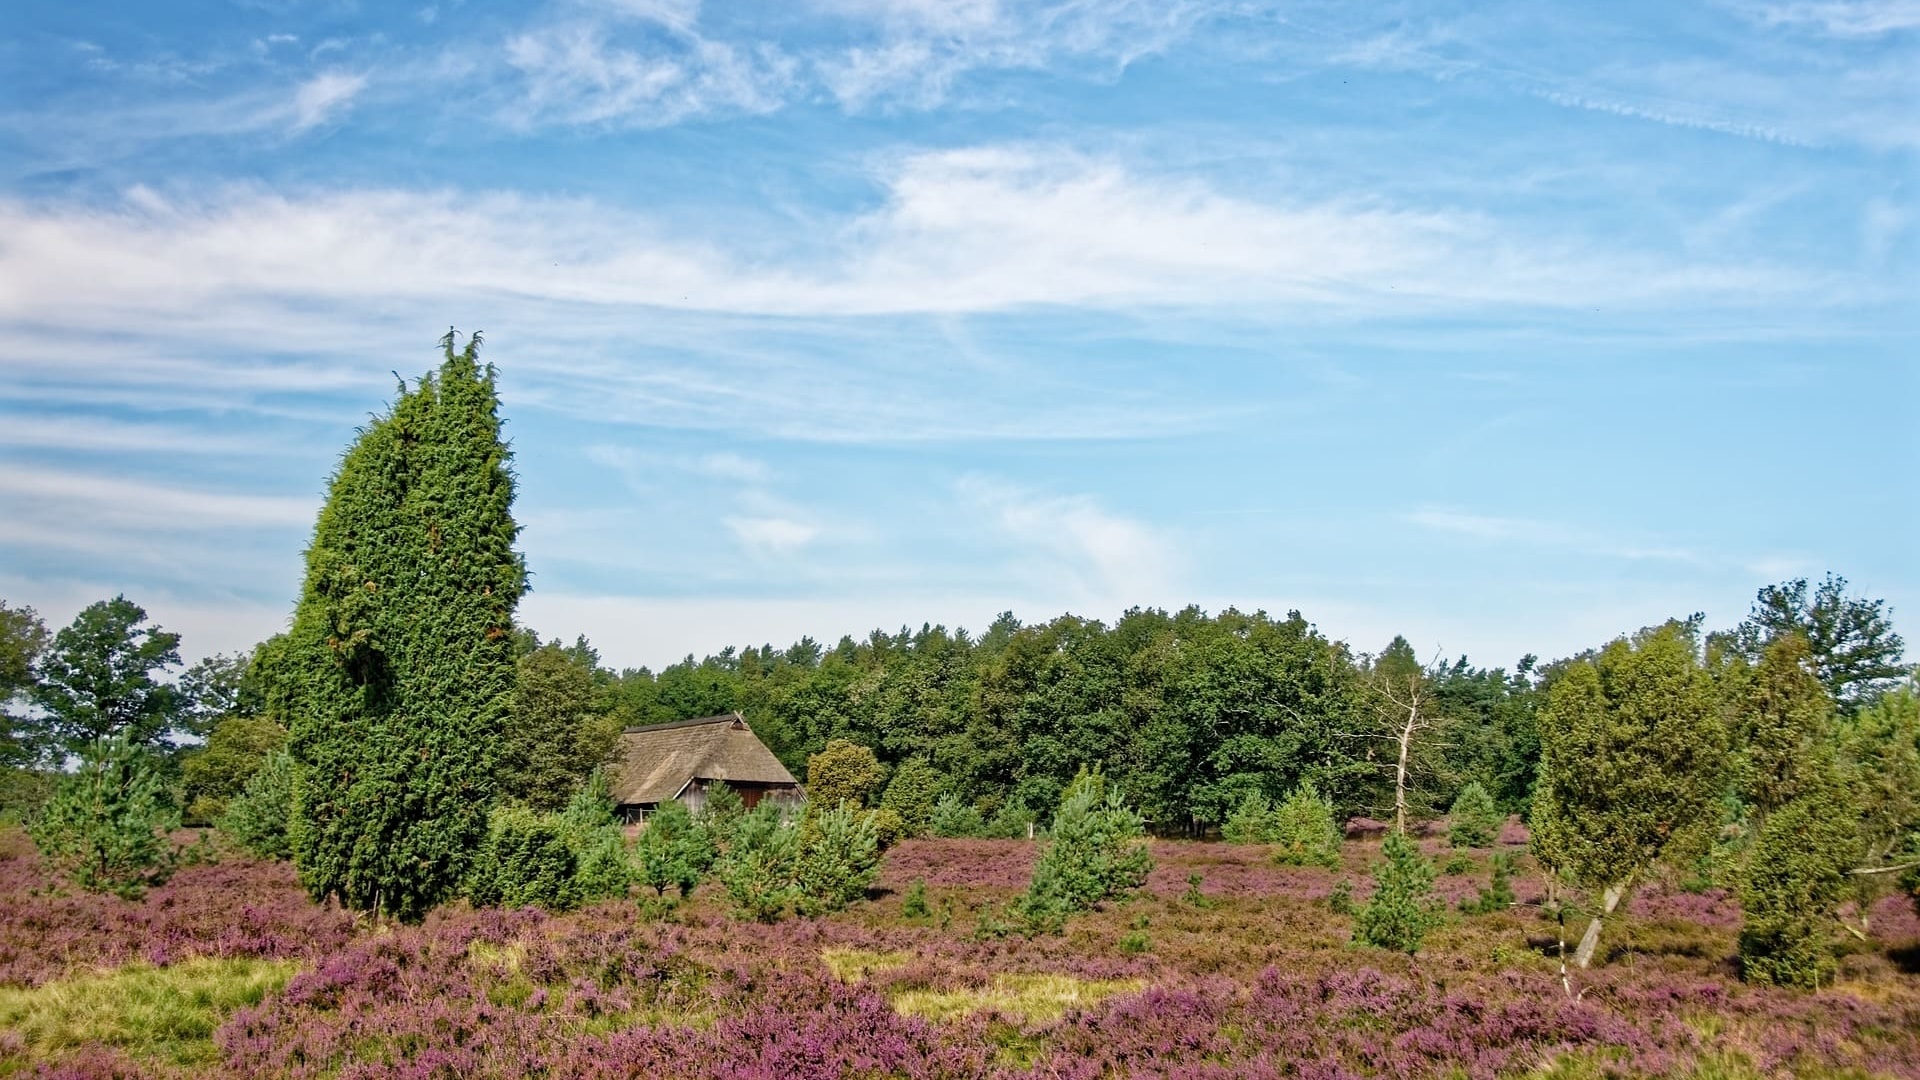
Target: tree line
x: 405, y: 704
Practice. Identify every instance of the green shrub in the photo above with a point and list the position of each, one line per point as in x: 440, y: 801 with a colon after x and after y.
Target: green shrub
x: 888, y: 829
x: 525, y: 860
x: 257, y: 818
x: 915, y: 904
x: 1135, y: 943
x: 757, y: 868
x: 844, y: 772
x: 1013, y: 821
x: 1498, y: 895
x: 839, y: 856
x: 106, y: 826
x: 1340, y: 900
x: 912, y: 794
x: 952, y: 816
x: 1193, y: 897
x: 1303, y: 831
x: 1474, y: 821
x: 603, y: 870
x: 1251, y: 822
x: 1097, y: 851
x: 1797, y: 875
x: 1403, y: 907
x: 674, y: 850
x: 720, y: 814
x: 1457, y: 863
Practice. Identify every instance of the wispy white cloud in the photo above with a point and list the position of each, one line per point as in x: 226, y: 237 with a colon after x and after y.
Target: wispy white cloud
x: 1075, y: 543
x: 81, y: 498
x: 322, y: 98
x: 1845, y: 18
x: 574, y: 74
x: 771, y: 535
x: 1525, y: 531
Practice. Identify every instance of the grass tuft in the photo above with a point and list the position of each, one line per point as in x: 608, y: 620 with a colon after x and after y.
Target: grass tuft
x: 164, y: 1014
x: 1032, y: 999
x: 853, y: 965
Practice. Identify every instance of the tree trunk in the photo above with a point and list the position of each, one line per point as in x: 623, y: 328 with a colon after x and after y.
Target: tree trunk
x: 1400, y: 776
x: 1589, y: 941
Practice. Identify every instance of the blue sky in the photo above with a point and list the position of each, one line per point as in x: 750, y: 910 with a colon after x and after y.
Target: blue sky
x: 1508, y: 327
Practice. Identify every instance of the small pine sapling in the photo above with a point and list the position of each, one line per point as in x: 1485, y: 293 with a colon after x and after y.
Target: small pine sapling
x: 1340, y: 900
x: 674, y: 850
x: 107, y: 824
x: 1474, y: 821
x: 838, y: 858
x: 1498, y: 895
x: 257, y: 819
x: 1097, y: 851
x: 1303, y: 830
x: 1403, y: 907
x: 1251, y: 822
x: 915, y: 904
x: 954, y: 817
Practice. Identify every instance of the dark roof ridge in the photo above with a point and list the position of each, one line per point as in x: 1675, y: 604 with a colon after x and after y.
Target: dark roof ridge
x: 723, y: 718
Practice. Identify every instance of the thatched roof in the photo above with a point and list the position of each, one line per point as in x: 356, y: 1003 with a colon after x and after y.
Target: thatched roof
x: 655, y: 763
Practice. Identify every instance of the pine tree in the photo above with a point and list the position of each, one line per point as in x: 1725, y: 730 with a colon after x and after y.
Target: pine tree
x: 401, y: 659
x: 1474, y: 821
x: 1795, y: 879
x: 1403, y: 907
x: 106, y: 826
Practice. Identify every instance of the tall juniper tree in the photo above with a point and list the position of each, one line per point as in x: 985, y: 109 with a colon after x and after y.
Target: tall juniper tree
x: 401, y: 656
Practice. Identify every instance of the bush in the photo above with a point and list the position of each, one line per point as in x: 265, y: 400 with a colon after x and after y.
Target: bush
x: 1498, y: 895
x: 844, y: 772
x: 915, y: 904
x: 216, y: 774
x: 1474, y: 821
x: 1013, y: 821
x: 674, y: 850
x: 757, y: 868
x: 888, y: 829
x: 526, y: 859
x: 839, y: 856
x: 1303, y: 831
x: 1797, y: 875
x: 1251, y: 822
x: 1340, y: 900
x: 912, y: 794
x: 1403, y: 907
x: 257, y: 818
x: 720, y: 814
x: 599, y: 846
x: 106, y: 826
x: 953, y: 817
x: 1097, y: 852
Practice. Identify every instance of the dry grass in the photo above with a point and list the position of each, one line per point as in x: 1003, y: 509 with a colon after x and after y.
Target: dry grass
x: 854, y: 965
x: 1031, y: 999
x: 165, y: 1014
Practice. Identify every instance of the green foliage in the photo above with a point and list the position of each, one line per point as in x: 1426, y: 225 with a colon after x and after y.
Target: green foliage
x: 844, y: 772
x: 912, y: 793
x: 914, y: 905
x: 952, y: 816
x: 1457, y: 863
x: 1096, y: 851
x: 1785, y: 716
x: 599, y: 846
x: 217, y: 688
x: 1014, y: 820
x: 758, y: 866
x: 722, y: 811
x: 1498, y: 895
x: 1302, y: 829
x: 1632, y: 753
x: 838, y: 858
x: 556, y: 736
x: 1403, y: 907
x: 257, y: 820
x: 22, y: 639
x: 1252, y: 821
x: 1851, y: 644
x: 216, y: 773
x: 1340, y: 900
x: 107, y: 824
x: 96, y: 679
x: 1135, y: 942
x: 399, y: 669
x: 1474, y: 821
x: 1194, y: 897
x: 1795, y: 878
x: 165, y: 1014
x: 1880, y: 759
x: 527, y: 860
x: 888, y: 829
x: 674, y: 850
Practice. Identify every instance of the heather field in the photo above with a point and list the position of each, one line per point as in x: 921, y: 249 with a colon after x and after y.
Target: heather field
x: 228, y: 970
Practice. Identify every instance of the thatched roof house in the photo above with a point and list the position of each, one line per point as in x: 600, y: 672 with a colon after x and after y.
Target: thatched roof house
x: 682, y: 760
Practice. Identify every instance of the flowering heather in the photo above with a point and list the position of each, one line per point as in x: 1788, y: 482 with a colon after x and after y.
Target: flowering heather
x: 238, y: 908
x: 1258, y: 980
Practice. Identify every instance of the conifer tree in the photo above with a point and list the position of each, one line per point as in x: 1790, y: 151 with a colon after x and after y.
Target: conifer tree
x: 1403, y: 907
x: 1632, y: 753
x: 401, y: 658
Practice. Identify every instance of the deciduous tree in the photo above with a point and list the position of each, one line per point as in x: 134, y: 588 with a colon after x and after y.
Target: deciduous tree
x: 96, y: 679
